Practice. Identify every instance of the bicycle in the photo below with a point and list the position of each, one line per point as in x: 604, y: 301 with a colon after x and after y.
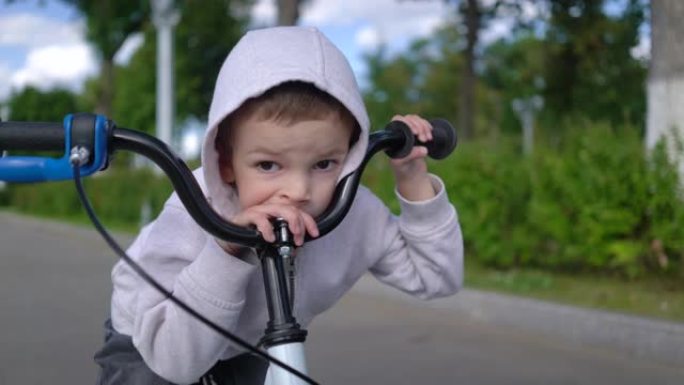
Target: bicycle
x: 89, y: 140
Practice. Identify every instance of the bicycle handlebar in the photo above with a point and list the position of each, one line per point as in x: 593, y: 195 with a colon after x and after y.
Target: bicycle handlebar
x: 100, y: 137
x: 87, y: 131
x: 33, y: 136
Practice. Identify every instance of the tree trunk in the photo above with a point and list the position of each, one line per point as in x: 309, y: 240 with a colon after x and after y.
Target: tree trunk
x: 665, y: 90
x: 288, y: 12
x: 466, y: 97
x: 106, y: 91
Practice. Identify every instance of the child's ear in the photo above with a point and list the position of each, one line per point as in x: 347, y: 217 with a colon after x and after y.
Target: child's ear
x: 226, y: 169
x: 227, y: 175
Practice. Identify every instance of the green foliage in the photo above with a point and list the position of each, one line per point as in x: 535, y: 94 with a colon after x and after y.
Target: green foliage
x: 489, y: 184
x: 44, y: 106
x: 513, y: 69
x: 117, y: 197
x: 110, y: 22
x: 595, y: 201
x: 423, y: 80
x: 589, y: 69
x: 589, y: 198
x: 205, y: 34
x: 134, y: 102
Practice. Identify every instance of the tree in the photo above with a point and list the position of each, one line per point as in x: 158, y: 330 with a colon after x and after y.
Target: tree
x: 475, y: 15
x: 590, y: 70
x: 421, y: 80
x: 109, y: 24
x: 288, y: 11
x: 32, y: 104
x: 205, y: 34
x: 513, y: 69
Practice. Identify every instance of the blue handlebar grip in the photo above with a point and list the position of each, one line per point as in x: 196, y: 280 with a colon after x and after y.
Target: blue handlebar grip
x: 26, y: 169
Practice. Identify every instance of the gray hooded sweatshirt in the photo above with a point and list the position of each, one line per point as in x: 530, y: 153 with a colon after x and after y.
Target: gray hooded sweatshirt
x: 419, y: 252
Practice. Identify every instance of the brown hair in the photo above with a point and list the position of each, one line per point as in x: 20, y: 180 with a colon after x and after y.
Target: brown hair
x: 287, y: 103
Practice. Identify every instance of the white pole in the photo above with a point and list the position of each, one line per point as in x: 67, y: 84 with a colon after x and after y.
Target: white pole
x: 526, y: 109
x: 665, y: 88
x: 165, y: 17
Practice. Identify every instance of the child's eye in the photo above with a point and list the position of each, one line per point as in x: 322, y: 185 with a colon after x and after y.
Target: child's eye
x: 267, y: 166
x: 325, y: 164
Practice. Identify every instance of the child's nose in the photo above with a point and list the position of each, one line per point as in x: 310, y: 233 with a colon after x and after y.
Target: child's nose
x: 297, y: 189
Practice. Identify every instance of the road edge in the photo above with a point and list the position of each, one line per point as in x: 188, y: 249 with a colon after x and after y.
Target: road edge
x: 652, y: 340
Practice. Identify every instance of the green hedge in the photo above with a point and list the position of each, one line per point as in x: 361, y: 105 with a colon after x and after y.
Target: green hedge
x: 117, y: 195
x: 592, y: 201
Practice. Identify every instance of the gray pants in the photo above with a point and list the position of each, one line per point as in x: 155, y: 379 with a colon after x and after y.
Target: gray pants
x: 121, y: 364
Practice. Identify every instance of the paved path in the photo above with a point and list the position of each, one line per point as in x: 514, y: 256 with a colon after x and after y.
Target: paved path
x: 54, y: 288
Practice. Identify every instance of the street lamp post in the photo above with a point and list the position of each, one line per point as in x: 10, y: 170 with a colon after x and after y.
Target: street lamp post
x: 165, y: 17
x: 526, y: 109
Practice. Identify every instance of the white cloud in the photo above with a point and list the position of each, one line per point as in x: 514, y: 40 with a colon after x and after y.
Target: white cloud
x: 642, y: 50
x: 54, y: 53
x: 391, y: 18
x: 5, y: 76
x: 368, y: 38
x: 57, y: 65
x: 264, y: 12
x: 358, y: 26
x: 33, y: 31
x: 497, y: 29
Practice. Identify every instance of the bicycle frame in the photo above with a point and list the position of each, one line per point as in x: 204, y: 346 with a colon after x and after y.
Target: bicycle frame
x: 88, y: 140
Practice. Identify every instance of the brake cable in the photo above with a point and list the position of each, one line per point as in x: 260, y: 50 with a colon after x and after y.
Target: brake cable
x: 76, y: 159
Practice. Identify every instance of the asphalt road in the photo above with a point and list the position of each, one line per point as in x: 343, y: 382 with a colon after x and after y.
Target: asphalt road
x: 54, y: 291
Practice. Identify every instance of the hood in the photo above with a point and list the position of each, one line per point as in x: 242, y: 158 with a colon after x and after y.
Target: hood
x: 263, y: 59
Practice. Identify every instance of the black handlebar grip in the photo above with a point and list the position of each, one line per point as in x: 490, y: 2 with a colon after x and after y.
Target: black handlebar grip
x: 34, y: 136
x: 405, y: 139
x: 443, y: 141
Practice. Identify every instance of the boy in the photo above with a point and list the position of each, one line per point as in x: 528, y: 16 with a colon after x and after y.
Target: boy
x: 286, y: 123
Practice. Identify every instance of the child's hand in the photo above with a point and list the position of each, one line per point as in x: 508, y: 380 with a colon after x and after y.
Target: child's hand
x: 410, y: 172
x: 259, y: 216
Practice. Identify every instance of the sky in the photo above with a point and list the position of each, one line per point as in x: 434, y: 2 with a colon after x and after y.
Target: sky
x: 42, y: 42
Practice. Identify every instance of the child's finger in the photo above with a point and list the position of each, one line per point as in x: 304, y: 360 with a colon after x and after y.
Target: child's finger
x: 420, y: 127
x: 294, y: 220
x: 263, y: 224
x: 260, y: 216
x: 299, y: 222
x: 423, y: 128
x: 417, y: 152
x: 310, y: 224
x: 299, y: 234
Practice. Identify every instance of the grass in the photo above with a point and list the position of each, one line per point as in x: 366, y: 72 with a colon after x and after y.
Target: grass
x: 648, y: 297
x: 81, y: 220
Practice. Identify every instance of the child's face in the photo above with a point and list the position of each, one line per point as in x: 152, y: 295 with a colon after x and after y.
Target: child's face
x: 296, y: 164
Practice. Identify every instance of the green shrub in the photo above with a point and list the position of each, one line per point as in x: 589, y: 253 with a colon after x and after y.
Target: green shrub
x: 591, y: 200
x: 117, y: 195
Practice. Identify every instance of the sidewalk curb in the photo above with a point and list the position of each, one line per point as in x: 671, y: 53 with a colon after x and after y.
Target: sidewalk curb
x: 652, y: 340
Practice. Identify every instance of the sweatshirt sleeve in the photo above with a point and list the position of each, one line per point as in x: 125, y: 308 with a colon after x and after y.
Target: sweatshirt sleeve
x: 191, y: 264
x: 421, y: 250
